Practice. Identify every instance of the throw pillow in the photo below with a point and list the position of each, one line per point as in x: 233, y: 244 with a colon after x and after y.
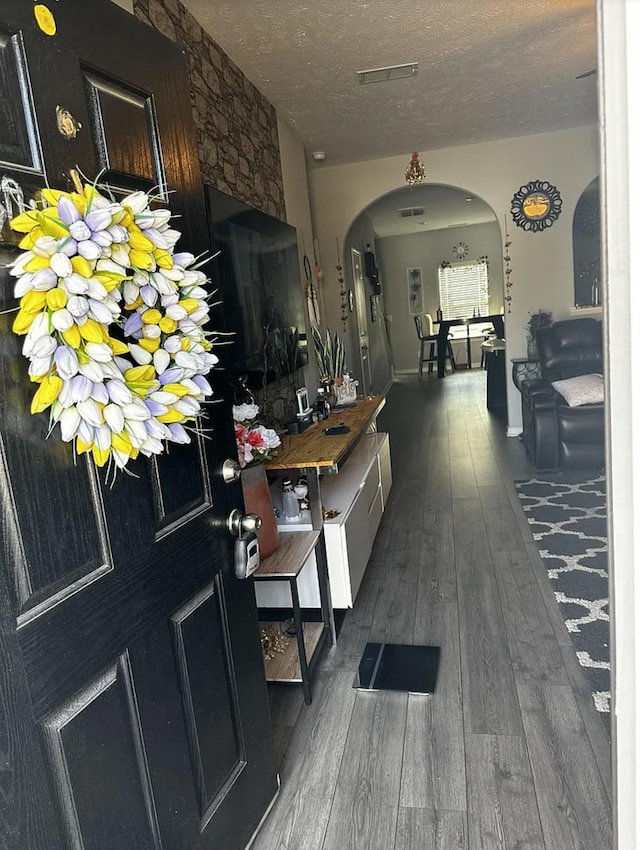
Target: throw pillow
x: 585, y: 389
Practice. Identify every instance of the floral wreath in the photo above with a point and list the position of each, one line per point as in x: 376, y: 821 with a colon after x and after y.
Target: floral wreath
x: 90, y: 266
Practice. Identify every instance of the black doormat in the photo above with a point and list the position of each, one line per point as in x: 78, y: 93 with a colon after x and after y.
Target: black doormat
x: 568, y: 520
x: 398, y: 667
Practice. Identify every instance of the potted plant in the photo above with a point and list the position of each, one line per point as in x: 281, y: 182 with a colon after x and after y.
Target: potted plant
x: 329, y: 351
x: 541, y: 319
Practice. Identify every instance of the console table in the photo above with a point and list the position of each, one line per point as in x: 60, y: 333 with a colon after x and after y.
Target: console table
x: 496, y: 319
x: 313, y: 453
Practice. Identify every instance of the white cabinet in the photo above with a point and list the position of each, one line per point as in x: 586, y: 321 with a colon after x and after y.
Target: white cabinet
x: 360, y: 491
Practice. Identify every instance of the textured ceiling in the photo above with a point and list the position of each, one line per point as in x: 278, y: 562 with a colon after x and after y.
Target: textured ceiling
x: 488, y: 69
x: 444, y: 206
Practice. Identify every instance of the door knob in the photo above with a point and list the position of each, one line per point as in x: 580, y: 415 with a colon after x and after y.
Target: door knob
x: 239, y: 523
x: 230, y: 471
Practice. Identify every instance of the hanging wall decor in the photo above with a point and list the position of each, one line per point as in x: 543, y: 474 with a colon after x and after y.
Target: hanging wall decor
x: 344, y: 315
x: 536, y: 206
x: 508, y: 283
x: 113, y: 319
x: 414, y: 287
x: 460, y: 250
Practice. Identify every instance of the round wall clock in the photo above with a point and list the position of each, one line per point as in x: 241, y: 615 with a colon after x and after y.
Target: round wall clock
x: 461, y: 250
x: 536, y: 205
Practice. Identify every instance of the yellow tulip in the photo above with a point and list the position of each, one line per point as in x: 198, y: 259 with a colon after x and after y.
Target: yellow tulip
x: 151, y: 317
x: 27, y: 242
x: 122, y: 443
x: 163, y: 258
x: 139, y: 373
x: 186, y: 342
x: 56, y: 299
x: 137, y: 303
x: 176, y: 389
x: 108, y: 279
x: 171, y: 416
x: 37, y: 263
x: 139, y: 242
x: 92, y: 331
x: 51, y: 196
x: 189, y: 304
x: 24, y: 222
x: 50, y: 225
x: 80, y: 201
x: 118, y: 347
x: 100, y: 456
x: 46, y: 394
x: 81, y: 266
x: 33, y: 301
x: 168, y: 325
x: 149, y: 345
x: 127, y: 218
x: 23, y: 322
x: 72, y: 336
x: 82, y: 447
x: 140, y: 259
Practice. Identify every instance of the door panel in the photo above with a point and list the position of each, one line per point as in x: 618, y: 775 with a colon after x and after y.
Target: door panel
x: 132, y: 678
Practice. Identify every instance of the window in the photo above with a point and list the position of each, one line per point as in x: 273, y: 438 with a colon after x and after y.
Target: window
x: 464, y: 290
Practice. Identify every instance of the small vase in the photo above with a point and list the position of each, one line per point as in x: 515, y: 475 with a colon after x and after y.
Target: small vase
x: 532, y: 348
x: 257, y: 500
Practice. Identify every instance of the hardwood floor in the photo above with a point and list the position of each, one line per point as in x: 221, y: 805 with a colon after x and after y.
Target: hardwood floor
x: 509, y: 752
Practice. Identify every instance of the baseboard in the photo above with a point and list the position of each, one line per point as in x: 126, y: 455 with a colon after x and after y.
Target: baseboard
x: 514, y: 430
x: 405, y: 372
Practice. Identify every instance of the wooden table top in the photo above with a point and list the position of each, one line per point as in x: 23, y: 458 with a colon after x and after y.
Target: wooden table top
x: 314, y: 448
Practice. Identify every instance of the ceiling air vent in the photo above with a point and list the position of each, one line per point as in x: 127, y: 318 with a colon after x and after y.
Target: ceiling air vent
x: 411, y: 212
x: 383, y: 75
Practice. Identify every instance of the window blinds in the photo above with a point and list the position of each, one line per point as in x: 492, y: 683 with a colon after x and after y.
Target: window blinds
x: 464, y: 288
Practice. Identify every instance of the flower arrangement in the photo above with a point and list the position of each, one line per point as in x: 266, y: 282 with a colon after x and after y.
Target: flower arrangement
x: 113, y: 320
x: 255, y: 443
x: 541, y: 319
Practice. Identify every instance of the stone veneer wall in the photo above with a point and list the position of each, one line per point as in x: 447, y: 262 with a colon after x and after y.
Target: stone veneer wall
x: 236, y: 126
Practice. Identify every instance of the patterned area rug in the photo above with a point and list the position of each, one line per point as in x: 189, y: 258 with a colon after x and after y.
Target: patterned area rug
x: 569, y: 524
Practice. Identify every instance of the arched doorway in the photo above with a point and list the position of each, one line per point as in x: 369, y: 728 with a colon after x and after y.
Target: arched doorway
x: 408, y: 236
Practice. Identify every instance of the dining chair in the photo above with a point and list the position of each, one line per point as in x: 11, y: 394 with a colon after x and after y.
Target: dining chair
x: 426, y: 335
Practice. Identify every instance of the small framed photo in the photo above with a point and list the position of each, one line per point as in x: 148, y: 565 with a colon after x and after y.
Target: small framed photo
x: 414, y: 289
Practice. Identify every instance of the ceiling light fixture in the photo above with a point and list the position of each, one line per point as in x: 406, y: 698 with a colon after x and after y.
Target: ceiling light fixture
x: 319, y: 156
x: 391, y: 72
x: 415, y: 171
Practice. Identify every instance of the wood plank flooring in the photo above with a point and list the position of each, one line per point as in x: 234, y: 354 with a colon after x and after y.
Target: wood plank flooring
x: 509, y: 752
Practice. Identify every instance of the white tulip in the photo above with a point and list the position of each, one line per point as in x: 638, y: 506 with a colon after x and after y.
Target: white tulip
x: 151, y: 331
x: 46, y: 246
x: 136, y: 410
x: 75, y: 284
x: 92, y: 371
x: 119, y: 392
x: 103, y: 437
x: 161, y: 360
x: 157, y: 429
x: 23, y: 285
x: 162, y: 397
x: 90, y: 412
x: 136, y: 201
x: 139, y: 354
x: 114, y: 417
x: 100, y: 312
x: 69, y: 422
x: 39, y: 366
x: 96, y: 289
x: 44, y: 346
x: 173, y: 344
x: 61, y: 264
x: 176, y: 312
x: 99, y: 351
x: 62, y: 320
x: 85, y: 432
x: 79, y: 230
x: 99, y: 393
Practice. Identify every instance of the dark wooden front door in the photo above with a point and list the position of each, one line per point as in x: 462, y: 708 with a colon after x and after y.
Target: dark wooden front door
x: 133, y: 709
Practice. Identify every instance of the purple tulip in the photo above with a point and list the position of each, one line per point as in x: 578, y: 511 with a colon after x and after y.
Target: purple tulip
x: 66, y: 362
x: 178, y: 433
x: 67, y: 210
x: 98, y: 219
x: 133, y: 324
x: 154, y: 408
x: 171, y: 376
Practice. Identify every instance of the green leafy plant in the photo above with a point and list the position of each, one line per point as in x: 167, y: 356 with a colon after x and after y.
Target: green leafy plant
x: 329, y: 352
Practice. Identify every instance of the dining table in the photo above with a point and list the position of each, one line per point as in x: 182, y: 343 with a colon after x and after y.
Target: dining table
x: 495, y: 319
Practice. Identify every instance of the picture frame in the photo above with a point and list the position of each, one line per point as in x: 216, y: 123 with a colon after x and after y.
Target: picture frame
x: 414, y: 291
